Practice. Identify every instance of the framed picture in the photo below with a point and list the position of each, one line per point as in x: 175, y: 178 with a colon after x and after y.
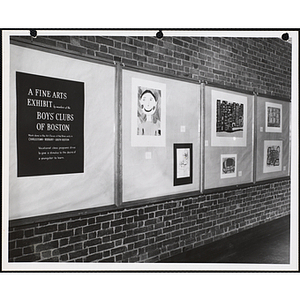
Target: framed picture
x: 228, y: 165
x: 183, y: 164
x: 272, y: 156
x: 228, y: 119
x: 273, y: 113
x: 148, y: 118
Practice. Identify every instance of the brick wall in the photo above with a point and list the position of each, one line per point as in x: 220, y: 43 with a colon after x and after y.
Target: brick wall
x: 151, y: 232
x: 244, y: 63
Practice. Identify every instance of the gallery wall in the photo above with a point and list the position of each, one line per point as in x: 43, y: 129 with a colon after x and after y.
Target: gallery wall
x: 161, y: 161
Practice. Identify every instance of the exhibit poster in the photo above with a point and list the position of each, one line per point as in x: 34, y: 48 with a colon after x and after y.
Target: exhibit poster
x: 273, y: 117
x: 228, y: 165
x: 148, y: 120
x: 50, y: 133
x: 228, y: 119
x: 272, y: 156
x: 183, y: 164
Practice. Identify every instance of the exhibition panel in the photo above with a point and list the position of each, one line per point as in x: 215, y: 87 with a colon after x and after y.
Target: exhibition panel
x: 228, y: 138
x: 272, y: 138
x: 161, y: 136
x: 61, y: 133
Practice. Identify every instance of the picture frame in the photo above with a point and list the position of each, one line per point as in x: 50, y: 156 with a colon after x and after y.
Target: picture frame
x: 148, y: 115
x: 273, y: 117
x: 228, y: 166
x: 183, y: 163
x: 272, y: 156
x: 228, y: 119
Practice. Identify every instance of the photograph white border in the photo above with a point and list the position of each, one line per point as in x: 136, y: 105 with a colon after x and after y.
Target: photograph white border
x: 71, y: 267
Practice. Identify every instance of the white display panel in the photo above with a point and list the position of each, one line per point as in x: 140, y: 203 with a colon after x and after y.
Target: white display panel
x: 272, y: 138
x: 47, y: 194
x: 228, y: 144
x: 148, y: 166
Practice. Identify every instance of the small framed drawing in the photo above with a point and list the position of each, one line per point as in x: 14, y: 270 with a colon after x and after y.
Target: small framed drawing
x: 148, y: 117
x: 228, y: 165
x: 273, y: 117
x: 228, y: 119
x: 272, y: 156
x: 183, y: 164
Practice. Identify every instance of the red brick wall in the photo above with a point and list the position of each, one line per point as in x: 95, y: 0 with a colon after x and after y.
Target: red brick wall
x: 151, y: 232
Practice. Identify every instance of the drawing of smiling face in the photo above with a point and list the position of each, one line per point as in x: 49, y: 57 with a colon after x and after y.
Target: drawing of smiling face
x: 148, y: 103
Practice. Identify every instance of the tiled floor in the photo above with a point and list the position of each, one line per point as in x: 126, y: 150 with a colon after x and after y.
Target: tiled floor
x: 265, y: 244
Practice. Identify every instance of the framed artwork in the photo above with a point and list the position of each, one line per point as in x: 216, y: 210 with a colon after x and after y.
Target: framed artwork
x: 272, y: 156
x: 228, y: 119
x: 273, y: 117
x: 228, y: 165
x: 183, y: 164
x: 148, y: 118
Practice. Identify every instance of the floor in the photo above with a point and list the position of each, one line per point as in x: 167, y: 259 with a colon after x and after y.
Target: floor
x: 265, y: 244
